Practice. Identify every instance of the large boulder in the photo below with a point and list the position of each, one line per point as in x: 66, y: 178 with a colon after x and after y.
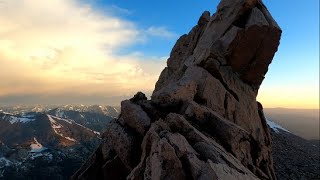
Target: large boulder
x: 203, y: 120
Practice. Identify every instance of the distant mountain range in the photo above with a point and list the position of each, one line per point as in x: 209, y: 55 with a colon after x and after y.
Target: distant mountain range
x: 21, y: 109
x: 46, y: 142
x: 94, y: 117
x: 301, y: 122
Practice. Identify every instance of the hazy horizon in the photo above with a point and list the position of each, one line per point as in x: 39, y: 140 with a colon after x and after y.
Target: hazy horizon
x: 2, y: 105
x: 102, y: 52
x: 301, y: 122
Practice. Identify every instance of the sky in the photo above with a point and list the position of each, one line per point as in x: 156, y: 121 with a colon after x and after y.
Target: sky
x: 104, y: 51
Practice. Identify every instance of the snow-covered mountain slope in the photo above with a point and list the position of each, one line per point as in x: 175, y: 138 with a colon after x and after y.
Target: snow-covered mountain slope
x: 97, y: 109
x: 36, y: 146
x: 44, y: 147
x: 102, y: 109
x: 16, y: 118
x: 46, y: 142
x: 21, y: 109
x: 275, y: 127
x: 93, y: 117
x: 49, y: 130
x: 57, y: 128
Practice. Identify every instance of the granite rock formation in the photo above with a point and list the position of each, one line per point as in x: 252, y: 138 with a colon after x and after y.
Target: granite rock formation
x: 203, y: 120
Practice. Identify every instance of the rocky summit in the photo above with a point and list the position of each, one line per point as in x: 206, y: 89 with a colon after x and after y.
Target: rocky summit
x: 203, y: 120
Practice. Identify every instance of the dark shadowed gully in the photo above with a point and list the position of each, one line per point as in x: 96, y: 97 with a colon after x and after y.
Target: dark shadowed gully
x: 203, y: 120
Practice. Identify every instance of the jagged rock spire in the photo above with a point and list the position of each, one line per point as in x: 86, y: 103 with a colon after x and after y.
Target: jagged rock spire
x: 203, y: 120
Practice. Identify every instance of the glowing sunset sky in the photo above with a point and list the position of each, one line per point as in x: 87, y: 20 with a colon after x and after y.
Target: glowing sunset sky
x: 100, y: 52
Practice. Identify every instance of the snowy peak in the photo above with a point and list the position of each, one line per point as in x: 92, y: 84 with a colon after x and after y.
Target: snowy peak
x: 16, y: 118
x: 104, y: 109
x: 21, y: 109
x: 99, y: 109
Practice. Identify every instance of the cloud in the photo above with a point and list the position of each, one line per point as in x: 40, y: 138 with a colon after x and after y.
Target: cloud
x: 58, y: 47
x: 160, y: 31
x: 120, y: 10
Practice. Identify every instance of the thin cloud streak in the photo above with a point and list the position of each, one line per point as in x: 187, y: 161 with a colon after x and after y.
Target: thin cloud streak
x: 160, y: 31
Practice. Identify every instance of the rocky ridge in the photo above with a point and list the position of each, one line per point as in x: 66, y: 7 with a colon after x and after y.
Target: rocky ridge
x: 294, y: 157
x: 203, y: 120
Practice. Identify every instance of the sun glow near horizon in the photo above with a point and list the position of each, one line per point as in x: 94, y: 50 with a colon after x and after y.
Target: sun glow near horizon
x: 280, y: 97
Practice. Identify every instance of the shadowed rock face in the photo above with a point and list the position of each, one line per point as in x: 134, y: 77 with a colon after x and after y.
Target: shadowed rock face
x: 203, y: 120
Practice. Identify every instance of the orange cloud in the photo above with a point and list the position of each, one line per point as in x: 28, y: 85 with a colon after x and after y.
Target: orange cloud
x: 58, y: 46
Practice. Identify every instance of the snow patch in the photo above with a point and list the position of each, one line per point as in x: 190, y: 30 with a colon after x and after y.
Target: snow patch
x: 70, y: 139
x: 275, y: 126
x: 46, y: 155
x: 5, y: 162
x: 6, y: 113
x: 14, y: 119
x: 66, y: 120
x: 54, y: 123
x: 116, y: 110
x: 36, y: 146
x: 96, y: 132
x: 33, y: 156
x: 60, y: 113
x: 38, y: 109
x: 28, y: 116
x: 50, y: 157
x: 73, y: 122
x: 56, y: 126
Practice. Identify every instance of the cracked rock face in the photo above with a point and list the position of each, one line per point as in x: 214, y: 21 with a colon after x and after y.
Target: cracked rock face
x: 203, y: 120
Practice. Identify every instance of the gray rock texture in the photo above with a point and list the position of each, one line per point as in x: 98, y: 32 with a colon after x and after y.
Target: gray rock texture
x: 203, y: 120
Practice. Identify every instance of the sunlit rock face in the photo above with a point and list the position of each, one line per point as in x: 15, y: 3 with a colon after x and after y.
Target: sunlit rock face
x: 203, y: 120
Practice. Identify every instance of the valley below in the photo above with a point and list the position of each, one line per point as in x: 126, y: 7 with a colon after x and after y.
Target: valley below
x: 53, y: 143
x: 45, y: 143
